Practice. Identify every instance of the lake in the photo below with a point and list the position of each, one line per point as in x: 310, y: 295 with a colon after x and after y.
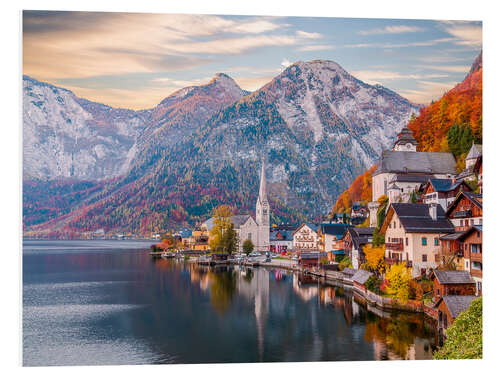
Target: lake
x: 110, y: 303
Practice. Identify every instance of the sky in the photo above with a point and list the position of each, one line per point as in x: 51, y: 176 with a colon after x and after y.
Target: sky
x: 134, y: 60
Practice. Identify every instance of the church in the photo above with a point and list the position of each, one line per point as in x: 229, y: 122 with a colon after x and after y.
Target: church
x: 401, y: 170
x: 246, y: 227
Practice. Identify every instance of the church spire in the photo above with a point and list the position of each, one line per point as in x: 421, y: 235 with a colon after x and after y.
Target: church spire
x: 263, y: 189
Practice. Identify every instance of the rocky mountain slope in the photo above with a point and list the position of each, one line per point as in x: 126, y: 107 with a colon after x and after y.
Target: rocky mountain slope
x: 69, y: 137
x: 316, y: 126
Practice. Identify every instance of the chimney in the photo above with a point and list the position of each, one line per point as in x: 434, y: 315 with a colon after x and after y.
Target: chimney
x: 433, y: 211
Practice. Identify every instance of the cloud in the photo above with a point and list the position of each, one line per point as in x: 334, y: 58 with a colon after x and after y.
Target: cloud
x: 425, y: 43
x: 379, y: 76
x: 85, y: 44
x: 465, y: 33
x: 447, y: 68
x: 306, y: 35
x: 427, y: 91
x: 286, y: 63
x: 316, y: 47
x: 392, y: 30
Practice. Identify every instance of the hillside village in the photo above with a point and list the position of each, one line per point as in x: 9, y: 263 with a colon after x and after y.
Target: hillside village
x: 425, y: 221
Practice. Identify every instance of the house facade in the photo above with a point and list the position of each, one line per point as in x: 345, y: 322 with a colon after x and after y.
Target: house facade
x: 412, y: 234
x: 306, y: 238
x: 443, y: 191
x: 466, y: 210
x: 332, y: 239
x: 452, y: 283
x: 354, y: 241
x: 472, y: 241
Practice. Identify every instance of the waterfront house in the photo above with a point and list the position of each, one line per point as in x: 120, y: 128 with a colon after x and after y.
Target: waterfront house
x: 412, y: 234
x: 306, y: 238
x: 199, y: 239
x: 449, y: 307
x: 455, y: 283
x: 466, y: 210
x: 354, y: 240
x: 332, y: 239
x: 443, y: 191
x: 339, y: 218
x: 472, y: 241
x: 280, y: 240
x: 310, y: 259
x: 360, y: 278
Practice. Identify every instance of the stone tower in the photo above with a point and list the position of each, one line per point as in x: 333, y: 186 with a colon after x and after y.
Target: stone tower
x: 262, y: 214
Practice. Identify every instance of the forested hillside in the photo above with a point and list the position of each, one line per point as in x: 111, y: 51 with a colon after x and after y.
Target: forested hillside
x: 449, y: 124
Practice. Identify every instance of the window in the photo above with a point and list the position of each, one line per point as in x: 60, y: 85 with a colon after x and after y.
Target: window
x: 436, y: 241
x: 424, y: 257
x: 478, y: 234
x: 400, y: 225
x: 249, y: 236
x: 466, y: 222
x: 438, y: 291
x: 461, y: 223
x: 466, y: 264
x: 406, y: 241
x: 424, y: 241
x: 475, y: 248
x: 476, y: 266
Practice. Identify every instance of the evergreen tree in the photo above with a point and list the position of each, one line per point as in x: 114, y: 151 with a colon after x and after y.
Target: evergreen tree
x: 248, y: 246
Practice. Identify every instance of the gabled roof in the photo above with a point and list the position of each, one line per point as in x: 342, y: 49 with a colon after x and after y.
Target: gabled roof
x: 360, y: 236
x: 453, y: 277
x: 456, y: 304
x: 452, y: 236
x: 312, y: 226
x: 361, y: 276
x: 338, y: 230
x: 475, y: 152
x: 475, y: 199
x: 445, y: 184
x: 416, y: 162
x: 415, y: 218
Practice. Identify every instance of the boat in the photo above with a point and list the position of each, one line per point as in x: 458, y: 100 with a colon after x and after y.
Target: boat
x: 167, y: 255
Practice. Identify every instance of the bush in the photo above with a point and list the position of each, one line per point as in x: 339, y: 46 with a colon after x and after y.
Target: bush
x: 373, y: 284
x: 465, y: 335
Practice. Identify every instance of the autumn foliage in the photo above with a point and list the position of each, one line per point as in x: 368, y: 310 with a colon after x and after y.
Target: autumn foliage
x: 360, y: 190
x: 462, y: 106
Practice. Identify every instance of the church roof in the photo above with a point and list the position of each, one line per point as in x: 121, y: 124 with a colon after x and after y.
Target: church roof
x: 237, y: 220
x: 416, y: 162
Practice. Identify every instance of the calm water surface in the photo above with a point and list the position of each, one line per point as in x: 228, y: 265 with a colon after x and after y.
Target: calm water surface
x: 109, y: 303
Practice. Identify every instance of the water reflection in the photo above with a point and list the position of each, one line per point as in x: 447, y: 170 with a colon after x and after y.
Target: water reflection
x: 169, y: 311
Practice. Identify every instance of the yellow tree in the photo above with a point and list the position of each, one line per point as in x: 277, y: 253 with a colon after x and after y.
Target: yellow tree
x: 375, y: 259
x: 222, y: 222
x: 398, y: 278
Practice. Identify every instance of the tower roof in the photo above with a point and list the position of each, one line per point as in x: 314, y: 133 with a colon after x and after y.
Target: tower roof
x: 406, y: 136
x: 263, y: 188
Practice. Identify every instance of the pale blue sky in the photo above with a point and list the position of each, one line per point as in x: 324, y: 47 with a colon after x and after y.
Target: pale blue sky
x: 135, y: 60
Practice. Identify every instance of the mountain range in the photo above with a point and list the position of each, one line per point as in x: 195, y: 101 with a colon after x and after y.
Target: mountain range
x: 314, y: 125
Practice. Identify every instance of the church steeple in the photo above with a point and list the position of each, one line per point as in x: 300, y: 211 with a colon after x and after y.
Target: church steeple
x: 263, y: 188
x: 262, y: 206
x: 406, y: 141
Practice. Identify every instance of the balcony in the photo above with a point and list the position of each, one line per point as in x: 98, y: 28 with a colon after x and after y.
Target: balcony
x: 391, y: 261
x: 462, y: 214
x: 394, y: 246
